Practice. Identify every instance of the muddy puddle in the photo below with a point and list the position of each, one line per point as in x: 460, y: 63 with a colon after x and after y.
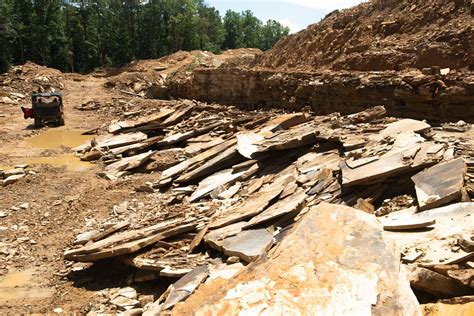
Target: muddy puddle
x: 54, y: 139
x: 70, y: 161
x: 17, y: 285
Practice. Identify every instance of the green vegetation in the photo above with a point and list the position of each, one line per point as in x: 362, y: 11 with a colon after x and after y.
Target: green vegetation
x: 82, y: 35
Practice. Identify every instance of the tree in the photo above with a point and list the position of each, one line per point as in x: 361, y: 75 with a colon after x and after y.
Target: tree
x: 6, y: 36
x: 183, y: 26
x: 80, y: 35
x: 251, y: 29
x: 21, y: 21
x: 210, y: 29
x: 233, y: 30
x: 271, y: 33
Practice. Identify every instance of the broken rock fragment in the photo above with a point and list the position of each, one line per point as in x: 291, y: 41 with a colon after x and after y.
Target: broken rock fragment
x: 371, y: 114
x: 185, y: 286
x: 435, y: 241
x: 405, y: 125
x: 130, y: 162
x: 291, y: 204
x: 440, y: 184
x: 227, y: 176
x: 12, y: 179
x: 436, y: 283
x: 248, y: 245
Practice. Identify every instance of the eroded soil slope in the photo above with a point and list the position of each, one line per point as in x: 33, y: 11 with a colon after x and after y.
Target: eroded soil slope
x: 381, y: 35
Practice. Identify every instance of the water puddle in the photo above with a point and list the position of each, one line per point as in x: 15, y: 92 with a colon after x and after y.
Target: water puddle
x: 18, y: 285
x: 53, y: 138
x: 72, y: 162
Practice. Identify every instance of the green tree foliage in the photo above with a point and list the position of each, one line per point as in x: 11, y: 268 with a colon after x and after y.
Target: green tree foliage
x: 271, y: 33
x: 6, y: 35
x: 233, y: 30
x: 80, y: 35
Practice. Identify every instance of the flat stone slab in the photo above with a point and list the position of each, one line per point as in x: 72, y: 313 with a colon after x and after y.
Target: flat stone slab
x: 248, y: 245
x: 440, y: 184
x: 292, y: 203
x: 405, y: 125
x: 185, y: 286
x: 388, y: 165
x: 129, y: 162
x: 435, y: 242
x: 254, y: 205
x: 227, y: 176
x: 407, y: 225
x: 216, y: 237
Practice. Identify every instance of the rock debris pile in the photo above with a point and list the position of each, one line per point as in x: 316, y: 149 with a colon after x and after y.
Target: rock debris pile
x: 10, y: 176
x: 248, y: 206
x: 21, y: 81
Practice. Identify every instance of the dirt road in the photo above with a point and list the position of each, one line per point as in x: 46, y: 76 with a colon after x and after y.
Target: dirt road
x: 42, y: 212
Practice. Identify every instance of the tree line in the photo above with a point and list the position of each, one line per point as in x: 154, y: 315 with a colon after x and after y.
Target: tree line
x: 80, y: 36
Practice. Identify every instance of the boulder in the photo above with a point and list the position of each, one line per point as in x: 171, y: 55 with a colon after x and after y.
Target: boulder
x: 335, y: 261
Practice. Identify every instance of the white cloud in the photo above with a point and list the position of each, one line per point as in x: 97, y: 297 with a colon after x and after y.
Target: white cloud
x: 294, y: 27
x: 326, y: 5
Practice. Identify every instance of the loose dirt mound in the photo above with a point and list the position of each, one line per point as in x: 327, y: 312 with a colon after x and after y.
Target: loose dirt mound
x: 138, y: 76
x: 381, y: 35
x: 31, y: 77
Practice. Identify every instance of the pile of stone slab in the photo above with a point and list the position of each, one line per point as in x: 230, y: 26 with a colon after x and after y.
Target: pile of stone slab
x: 277, y: 213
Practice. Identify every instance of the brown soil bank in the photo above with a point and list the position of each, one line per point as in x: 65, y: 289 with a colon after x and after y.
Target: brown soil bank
x: 381, y: 35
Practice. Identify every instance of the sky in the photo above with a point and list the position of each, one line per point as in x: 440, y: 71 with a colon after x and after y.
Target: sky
x: 296, y: 14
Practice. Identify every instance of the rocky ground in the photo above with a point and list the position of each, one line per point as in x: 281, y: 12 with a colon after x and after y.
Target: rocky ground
x: 143, y: 198
x: 42, y: 211
x: 60, y: 202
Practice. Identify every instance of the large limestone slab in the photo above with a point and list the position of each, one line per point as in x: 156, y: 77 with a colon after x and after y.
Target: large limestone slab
x: 215, y: 238
x: 120, y: 140
x: 440, y: 184
x: 222, y: 160
x: 388, y: 165
x: 409, y: 153
x: 128, y: 241
x: 313, y: 161
x: 368, y: 115
x: 185, y: 286
x: 284, y: 121
x: 435, y: 283
x: 178, y: 115
x: 335, y: 261
x: 153, y: 120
